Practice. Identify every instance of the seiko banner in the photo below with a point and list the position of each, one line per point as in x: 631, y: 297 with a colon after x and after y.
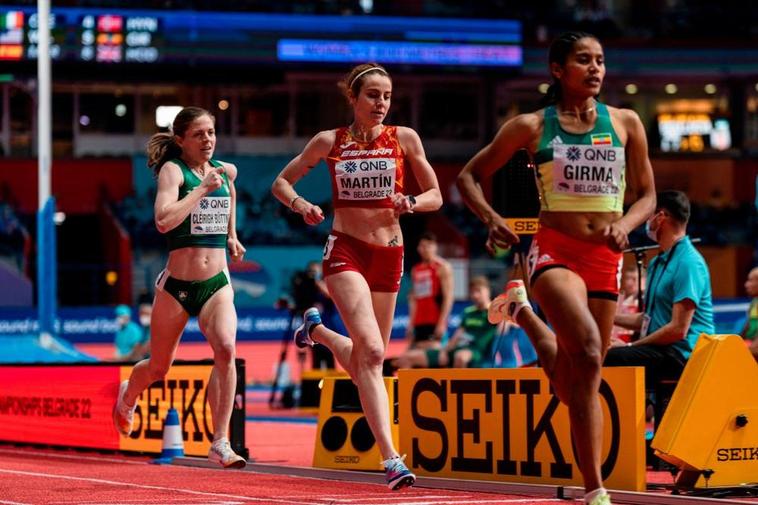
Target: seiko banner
x: 71, y: 406
x: 506, y: 425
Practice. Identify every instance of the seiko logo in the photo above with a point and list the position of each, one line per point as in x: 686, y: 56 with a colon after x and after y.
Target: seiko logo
x: 737, y: 454
x: 367, y: 152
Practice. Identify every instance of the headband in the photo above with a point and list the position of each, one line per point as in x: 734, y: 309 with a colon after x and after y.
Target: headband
x: 350, y: 86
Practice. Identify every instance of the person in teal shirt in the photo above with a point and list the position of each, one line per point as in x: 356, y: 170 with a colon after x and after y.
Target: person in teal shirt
x: 678, y: 306
x: 750, y: 330
x: 129, y: 336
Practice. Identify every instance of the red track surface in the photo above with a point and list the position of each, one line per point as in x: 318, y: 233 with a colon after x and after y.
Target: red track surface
x: 54, y: 477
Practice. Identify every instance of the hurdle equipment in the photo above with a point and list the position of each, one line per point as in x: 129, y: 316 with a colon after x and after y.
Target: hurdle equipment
x: 173, y: 443
x: 343, y: 438
x: 710, y: 428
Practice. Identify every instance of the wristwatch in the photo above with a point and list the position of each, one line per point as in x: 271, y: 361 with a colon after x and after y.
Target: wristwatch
x: 412, y: 200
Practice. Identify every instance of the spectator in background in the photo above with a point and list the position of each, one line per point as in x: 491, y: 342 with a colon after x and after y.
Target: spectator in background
x: 144, y: 313
x: 471, y: 346
x: 677, y: 302
x: 129, y: 342
x: 750, y: 330
x: 628, y: 303
x: 431, y: 297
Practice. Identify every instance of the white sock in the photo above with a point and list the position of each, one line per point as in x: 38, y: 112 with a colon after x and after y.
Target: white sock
x: 594, y: 494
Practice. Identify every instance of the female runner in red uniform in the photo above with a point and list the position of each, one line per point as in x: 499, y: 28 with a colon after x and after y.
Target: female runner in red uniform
x: 363, y: 256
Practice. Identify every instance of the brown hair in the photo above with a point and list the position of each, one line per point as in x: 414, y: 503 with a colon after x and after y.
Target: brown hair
x: 162, y: 146
x: 351, y: 83
x: 479, y: 281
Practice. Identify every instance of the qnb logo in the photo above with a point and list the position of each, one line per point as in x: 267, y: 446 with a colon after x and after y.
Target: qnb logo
x: 204, y: 204
x: 573, y: 153
x: 351, y: 167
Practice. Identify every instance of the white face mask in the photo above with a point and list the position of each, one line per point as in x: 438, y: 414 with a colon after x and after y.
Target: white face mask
x: 144, y: 320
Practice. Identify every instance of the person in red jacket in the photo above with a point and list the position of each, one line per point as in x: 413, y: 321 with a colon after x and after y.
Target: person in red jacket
x: 431, y: 299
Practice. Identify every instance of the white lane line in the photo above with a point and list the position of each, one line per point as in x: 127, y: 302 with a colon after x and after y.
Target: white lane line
x: 160, y: 488
x: 462, y: 502
x: 384, y: 498
x: 5, y: 502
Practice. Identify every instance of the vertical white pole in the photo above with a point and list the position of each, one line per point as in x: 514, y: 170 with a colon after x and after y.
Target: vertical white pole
x: 46, y: 244
x: 44, y: 99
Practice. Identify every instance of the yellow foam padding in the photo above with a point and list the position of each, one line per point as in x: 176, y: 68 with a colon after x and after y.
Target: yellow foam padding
x: 700, y: 429
x: 343, y: 438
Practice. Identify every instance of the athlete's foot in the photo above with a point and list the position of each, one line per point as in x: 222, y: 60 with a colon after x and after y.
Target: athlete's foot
x: 397, y: 474
x: 311, y: 319
x: 123, y: 415
x: 602, y: 499
x: 507, y: 305
x: 221, y: 452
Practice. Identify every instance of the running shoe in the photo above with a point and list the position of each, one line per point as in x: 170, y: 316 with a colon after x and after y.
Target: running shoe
x: 311, y: 319
x: 603, y: 499
x: 506, y: 305
x: 397, y: 474
x: 221, y: 452
x: 123, y: 416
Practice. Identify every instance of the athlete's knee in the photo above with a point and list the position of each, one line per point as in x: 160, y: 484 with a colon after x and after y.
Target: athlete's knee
x: 371, y: 355
x: 224, y: 353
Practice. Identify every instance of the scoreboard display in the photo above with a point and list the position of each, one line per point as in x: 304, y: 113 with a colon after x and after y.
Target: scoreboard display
x: 187, y: 37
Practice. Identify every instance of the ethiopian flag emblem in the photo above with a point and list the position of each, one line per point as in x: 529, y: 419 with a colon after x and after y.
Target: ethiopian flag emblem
x: 601, y: 139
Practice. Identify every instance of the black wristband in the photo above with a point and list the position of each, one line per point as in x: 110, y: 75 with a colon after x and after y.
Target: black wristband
x: 412, y: 200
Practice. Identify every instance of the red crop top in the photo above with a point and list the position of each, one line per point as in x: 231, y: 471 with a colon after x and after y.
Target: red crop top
x: 366, y: 174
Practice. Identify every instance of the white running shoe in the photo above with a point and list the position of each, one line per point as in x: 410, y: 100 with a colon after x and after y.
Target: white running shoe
x: 506, y: 305
x: 123, y: 416
x: 221, y: 452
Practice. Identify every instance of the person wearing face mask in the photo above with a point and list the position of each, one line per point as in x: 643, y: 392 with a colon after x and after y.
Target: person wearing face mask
x: 369, y: 164
x: 678, y: 306
x: 195, y: 208
x: 129, y: 339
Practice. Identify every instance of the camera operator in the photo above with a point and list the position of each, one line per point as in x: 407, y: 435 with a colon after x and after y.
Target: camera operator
x: 309, y: 290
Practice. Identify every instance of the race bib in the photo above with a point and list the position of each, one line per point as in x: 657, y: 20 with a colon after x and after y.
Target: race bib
x: 422, y: 284
x: 584, y: 170
x: 365, y: 179
x: 211, y: 216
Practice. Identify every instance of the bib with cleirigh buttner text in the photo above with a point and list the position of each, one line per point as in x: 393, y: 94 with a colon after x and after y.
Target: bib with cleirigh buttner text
x: 211, y: 215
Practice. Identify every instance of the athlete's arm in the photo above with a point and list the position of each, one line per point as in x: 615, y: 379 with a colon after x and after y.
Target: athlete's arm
x: 236, y: 249
x: 517, y: 133
x: 639, y: 174
x: 676, y: 329
x: 283, y: 187
x: 169, y: 210
x: 430, y: 198
x: 446, y: 286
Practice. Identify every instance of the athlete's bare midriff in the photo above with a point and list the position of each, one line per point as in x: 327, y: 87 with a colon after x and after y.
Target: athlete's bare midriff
x: 196, y: 263
x: 375, y: 226
x: 587, y: 226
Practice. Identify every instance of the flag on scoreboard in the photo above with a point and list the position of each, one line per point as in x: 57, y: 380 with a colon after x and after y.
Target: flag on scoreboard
x: 12, y: 20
